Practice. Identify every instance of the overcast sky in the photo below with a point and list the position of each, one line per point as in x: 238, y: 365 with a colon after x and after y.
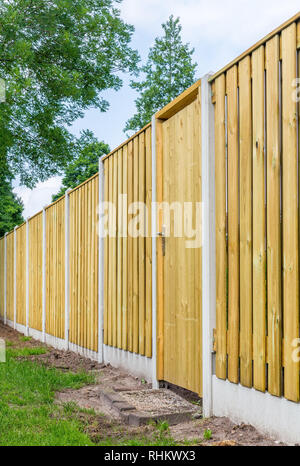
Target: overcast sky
x: 219, y: 30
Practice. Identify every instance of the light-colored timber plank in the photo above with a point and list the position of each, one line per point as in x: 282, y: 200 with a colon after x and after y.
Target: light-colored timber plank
x: 245, y: 222
x: 259, y: 221
x: 273, y: 218
x: 221, y: 253
x: 233, y: 225
x: 290, y: 213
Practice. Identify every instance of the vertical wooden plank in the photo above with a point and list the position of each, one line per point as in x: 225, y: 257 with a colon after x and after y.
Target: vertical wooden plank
x: 160, y: 265
x: 169, y: 273
x: 130, y: 251
x: 245, y: 222
x: 106, y: 255
x: 233, y: 225
x: 148, y: 324
x: 110, y: 261
x: 124, y: 249
x: 114, y: 251
x: 197, y: 181
x: 259, y: 221
x: 273, y: 218
x: 71, y: 246
x: 96, y: 253
x: 221, y: 253
x: 2, y: 278
x: 190, y: 253
x: 141, y: 240
x: 135, y: 250
x: 290, y: 213
x: 120, y: 254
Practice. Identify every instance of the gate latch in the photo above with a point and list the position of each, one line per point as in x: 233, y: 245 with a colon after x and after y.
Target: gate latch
x: 162, y: 234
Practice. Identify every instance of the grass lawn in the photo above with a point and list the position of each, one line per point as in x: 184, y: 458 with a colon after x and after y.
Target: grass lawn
x: 29, y: 415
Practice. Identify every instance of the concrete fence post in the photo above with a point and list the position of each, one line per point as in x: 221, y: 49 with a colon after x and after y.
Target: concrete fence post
x: 67, y: 267
x: 155, y: 383
x: 27, y: 276
x: 15, y: 277
x: 5, y: 277
x: 101, y: 262
x: 208, y: 243
x: 44, y: 278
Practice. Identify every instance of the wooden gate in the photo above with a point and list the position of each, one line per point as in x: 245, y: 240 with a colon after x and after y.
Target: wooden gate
x: 179, y: 260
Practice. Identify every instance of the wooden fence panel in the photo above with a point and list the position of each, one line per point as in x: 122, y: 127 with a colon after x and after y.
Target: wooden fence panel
x: 128, y: 257
x: 36, y: 272
x: 21, y: 274
x: 84, y: 265
x: 221, y: 249
x: 245, y: 222
x: 10, y: 254
x: 233, y: 225
x: 290, y: 212
x: 55, y: 269
x: 2, y: 261
x: 259, y: 220
x: 263, y: 227
x: 273, y: 217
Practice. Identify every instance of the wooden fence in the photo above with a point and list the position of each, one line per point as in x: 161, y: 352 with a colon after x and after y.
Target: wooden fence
x: 257, y: 190
x: 128, y: 258
x: 49, y: 265
x: 38, y: 277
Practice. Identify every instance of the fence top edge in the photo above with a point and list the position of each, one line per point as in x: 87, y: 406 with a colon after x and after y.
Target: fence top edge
x: 183, y: 99
x: 258, y: 44
x: 104, y: 157
x: 83, y: 183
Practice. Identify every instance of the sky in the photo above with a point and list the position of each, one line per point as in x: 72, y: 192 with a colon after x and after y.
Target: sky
x: 219, y: 30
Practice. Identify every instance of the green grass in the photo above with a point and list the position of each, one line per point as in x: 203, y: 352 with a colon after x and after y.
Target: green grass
x: 23, y: 338
x: 30, y: 417
x: 28, y: 414
x: 25, y: 352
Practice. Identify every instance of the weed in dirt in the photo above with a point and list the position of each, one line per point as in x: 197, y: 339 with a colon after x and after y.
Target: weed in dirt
x: 23, y: 338
x: 207, y: 434
x: 8, y: 344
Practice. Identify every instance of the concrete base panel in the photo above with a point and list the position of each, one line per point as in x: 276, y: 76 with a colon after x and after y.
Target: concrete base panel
x: 276, y: 417
x: 134, y: 364
x: 55, y: 342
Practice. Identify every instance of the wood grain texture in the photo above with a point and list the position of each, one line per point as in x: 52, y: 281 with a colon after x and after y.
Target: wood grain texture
x: 20, y: 275
x: 36, y: 272
x: 259, y: 220
x: 221, y: 250
x: 2, y: 256
x: 128, y: 255
x: 273, y: 217
x: 246, y: 239
x: 84, y: 269
x: 233, y: 225
x: 181, y: 183
x: 55, y: 269
x: 290, y: 213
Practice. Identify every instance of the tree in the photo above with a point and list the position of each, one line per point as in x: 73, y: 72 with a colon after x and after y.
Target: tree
x: 89, y: 149
x: 11, y: 207
x: 168, y: 72
x: 57, y: 56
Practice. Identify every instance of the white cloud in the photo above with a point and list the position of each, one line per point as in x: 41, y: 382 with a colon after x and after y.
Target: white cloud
x: 35, y: 199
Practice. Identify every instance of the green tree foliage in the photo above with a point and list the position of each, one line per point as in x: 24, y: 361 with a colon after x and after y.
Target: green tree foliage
x: 89, y: 149
x: 56, y: 58
x: 11, y: 207
x: 168, y: 72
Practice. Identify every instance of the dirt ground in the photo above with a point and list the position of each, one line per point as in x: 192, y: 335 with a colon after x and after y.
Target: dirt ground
x: 107, y: 422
